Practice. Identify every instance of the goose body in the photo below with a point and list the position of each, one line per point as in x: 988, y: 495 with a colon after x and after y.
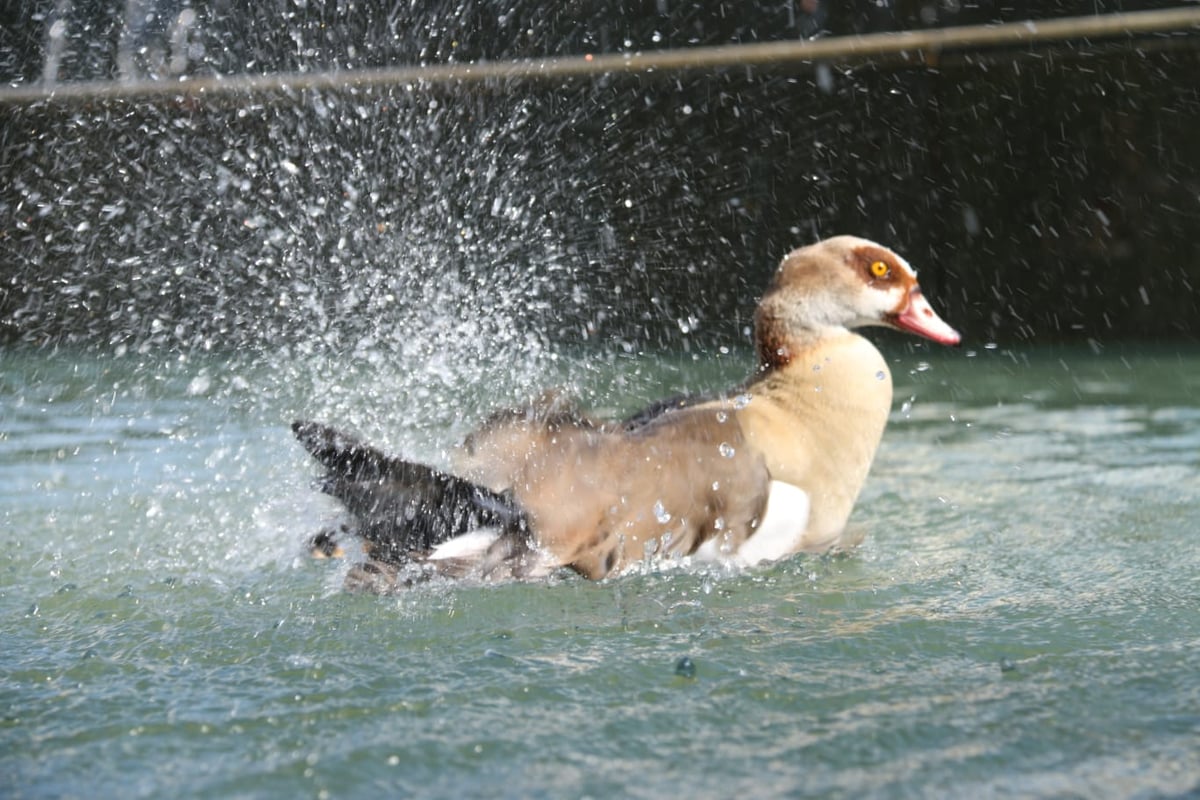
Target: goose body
x: 771, y: 468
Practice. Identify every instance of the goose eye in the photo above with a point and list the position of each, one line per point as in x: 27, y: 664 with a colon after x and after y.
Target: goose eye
x: 880, y: 269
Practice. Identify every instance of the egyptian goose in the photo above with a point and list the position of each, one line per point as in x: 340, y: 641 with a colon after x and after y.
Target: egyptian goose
x: 769, y: 469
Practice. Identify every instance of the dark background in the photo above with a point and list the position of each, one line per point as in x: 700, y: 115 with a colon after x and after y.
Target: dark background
x: 1044, y: 194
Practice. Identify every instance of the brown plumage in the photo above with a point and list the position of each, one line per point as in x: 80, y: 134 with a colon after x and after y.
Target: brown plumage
x: 772, y: 468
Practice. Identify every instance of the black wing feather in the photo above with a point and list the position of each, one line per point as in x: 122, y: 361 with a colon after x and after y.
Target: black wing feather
x: 403, y: 508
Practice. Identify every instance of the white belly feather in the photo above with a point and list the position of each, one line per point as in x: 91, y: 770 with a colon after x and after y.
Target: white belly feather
x: 779, y: 534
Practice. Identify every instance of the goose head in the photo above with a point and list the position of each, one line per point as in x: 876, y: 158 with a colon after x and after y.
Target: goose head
x: 837, y: 285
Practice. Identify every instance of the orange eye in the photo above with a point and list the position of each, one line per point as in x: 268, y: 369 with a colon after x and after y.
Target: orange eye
x: 880, y: 269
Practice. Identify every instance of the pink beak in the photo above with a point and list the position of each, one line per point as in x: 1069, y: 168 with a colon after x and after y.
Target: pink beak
x: 919, y: 318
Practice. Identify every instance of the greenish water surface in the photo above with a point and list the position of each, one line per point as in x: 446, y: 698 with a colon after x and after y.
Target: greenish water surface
x: 1022, y: 620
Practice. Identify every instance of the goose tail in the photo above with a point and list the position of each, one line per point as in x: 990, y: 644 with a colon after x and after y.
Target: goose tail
x: 415, y: 520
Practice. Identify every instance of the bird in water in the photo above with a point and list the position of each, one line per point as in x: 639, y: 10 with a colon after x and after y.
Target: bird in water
x: 770, y: 468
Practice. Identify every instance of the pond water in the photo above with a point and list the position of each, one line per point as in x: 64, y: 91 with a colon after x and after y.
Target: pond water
x: 1023, y: 618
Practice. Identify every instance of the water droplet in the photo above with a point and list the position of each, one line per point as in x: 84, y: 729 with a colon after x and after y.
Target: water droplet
x: 880, y: 375
x: 726, y: 449
x: 722, y: 416
x: 685, y: 667
x: 923, y: 366
x: 741, y: 401
x: 199, y: 385
x: 660, y: 513
x: 719, y: 524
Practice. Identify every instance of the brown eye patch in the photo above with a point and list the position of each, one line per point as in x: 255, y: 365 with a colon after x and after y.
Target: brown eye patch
x: 875, y: 264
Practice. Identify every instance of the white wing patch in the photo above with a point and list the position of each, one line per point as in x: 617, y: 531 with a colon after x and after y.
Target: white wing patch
x: 470, y: 545
x: 781, y: 529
